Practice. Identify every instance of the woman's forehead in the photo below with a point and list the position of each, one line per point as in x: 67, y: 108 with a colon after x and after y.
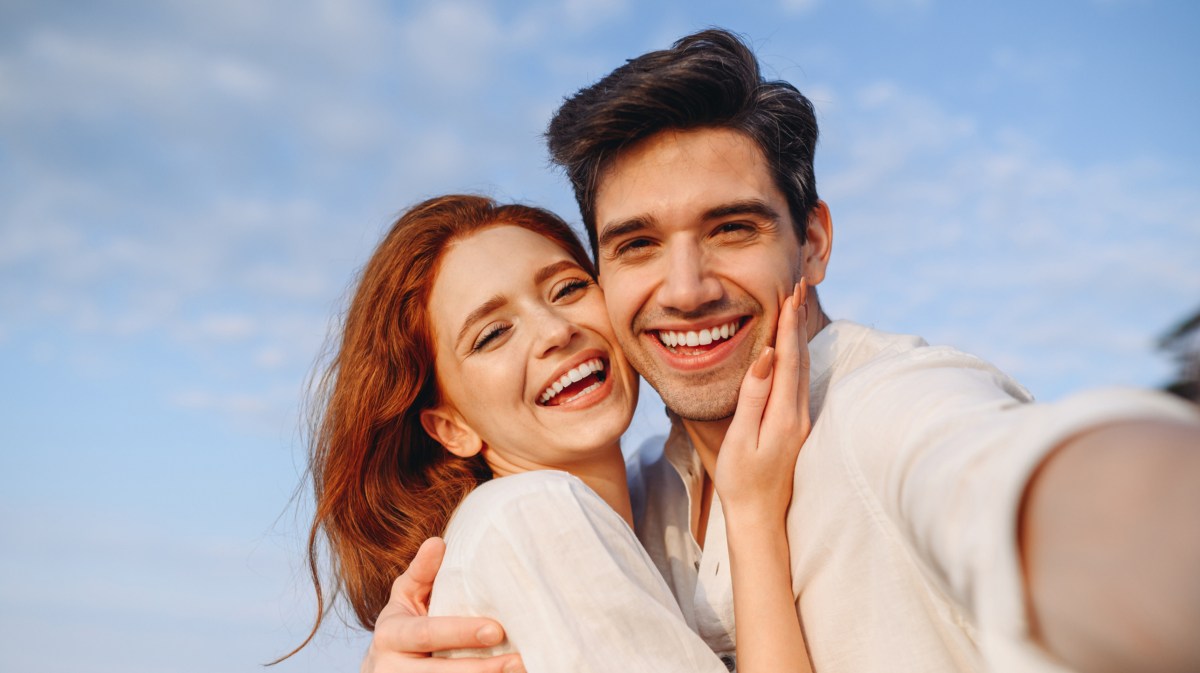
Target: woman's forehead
x: 495, y: 261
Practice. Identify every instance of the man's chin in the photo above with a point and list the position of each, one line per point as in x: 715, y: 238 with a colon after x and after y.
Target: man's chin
x: 705, y: 406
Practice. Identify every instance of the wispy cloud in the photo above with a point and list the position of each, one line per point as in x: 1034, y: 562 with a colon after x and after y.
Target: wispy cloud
x: 980, y: 237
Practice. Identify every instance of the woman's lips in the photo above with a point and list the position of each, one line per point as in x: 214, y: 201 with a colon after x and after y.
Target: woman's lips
x: 575, y: 383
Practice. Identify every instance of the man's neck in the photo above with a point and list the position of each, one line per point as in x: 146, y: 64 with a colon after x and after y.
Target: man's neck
x: 706, y: 439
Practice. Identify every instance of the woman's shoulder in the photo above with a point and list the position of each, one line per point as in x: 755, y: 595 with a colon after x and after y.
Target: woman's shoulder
x: 528, y: 489
x: 524, y: 504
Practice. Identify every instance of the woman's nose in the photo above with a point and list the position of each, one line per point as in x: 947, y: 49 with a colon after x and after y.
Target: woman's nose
x: 554, y: 331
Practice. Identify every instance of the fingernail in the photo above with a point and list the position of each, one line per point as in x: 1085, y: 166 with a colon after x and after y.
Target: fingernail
x: 514, y: 667
x: 763, y: 365
x: 488, y: 635
x: 796, y: 300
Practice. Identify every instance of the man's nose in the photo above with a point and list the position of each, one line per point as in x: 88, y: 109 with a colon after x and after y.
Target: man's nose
x: 687, y: 283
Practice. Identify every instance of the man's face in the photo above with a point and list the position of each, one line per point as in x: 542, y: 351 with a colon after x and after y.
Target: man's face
x: 697, y: 251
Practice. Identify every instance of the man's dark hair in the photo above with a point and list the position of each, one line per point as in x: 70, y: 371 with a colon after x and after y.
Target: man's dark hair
x: 707, y: 80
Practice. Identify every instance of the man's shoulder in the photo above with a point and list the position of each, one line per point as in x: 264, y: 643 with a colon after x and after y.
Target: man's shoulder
x: 846, y: 339
x: 856, y: 347
x: 861, y: 362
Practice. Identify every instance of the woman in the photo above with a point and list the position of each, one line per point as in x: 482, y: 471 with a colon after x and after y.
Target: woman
x: 477, y: 346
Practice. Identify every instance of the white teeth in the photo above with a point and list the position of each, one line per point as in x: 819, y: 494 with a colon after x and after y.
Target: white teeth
x: 573, y: 376
x: 703, y: 337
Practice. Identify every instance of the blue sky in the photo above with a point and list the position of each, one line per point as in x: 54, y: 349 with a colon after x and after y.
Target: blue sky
x: 187, y: 190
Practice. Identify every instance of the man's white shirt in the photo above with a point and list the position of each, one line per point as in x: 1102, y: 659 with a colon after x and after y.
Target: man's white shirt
x: 903, y: 522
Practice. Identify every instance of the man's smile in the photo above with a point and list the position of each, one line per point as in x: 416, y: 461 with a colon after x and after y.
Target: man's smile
x: 698, y: 348
x: 677, y: 341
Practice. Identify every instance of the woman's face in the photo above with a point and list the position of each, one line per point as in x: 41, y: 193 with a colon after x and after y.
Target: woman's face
x: 527, y: 364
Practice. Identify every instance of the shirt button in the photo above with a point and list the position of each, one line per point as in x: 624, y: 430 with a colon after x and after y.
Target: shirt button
x: 729, y: 661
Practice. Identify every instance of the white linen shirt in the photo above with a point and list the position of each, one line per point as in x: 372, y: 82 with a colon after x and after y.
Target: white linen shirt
x: 903, y: 520
x: 566, y: 577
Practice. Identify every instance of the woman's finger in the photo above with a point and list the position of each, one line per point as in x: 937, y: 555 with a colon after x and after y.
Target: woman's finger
x: 805, y: 369
x: 752, y: 399
x: 782, y: 411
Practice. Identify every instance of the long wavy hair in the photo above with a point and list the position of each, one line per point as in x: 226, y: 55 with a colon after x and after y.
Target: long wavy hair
x: 382, y: 485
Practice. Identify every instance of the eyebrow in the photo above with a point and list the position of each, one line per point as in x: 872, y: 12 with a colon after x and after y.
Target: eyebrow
x: 475, y: 316
x: 746, y: 207
x: 642, y: 222
x: 497, y: 301
x: 624, y: 228
x: 551, y: 270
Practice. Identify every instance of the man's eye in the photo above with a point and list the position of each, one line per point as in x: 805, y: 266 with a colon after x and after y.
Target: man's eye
x: 633, y: 246
x: 569, y: 287
x: 489, y: 335
x: 733, y: 228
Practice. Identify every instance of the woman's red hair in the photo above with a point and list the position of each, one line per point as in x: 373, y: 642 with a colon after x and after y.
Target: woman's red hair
x: 382, y: 485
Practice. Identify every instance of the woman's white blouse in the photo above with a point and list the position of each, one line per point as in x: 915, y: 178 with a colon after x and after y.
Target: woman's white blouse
x: 566, y: 577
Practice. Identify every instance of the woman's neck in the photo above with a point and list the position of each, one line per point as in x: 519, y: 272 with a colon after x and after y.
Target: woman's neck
x: 607, y: 478
x: 604, y: 473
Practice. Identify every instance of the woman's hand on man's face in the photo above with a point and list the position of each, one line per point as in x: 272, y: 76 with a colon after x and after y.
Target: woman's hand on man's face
x: 755, y: 466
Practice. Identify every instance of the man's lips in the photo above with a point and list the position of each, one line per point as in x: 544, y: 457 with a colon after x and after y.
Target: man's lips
x: 699, y: 337
x: 701, y: 347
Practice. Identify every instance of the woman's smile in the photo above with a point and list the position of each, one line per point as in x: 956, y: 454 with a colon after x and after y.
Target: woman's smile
x: 523, y: 346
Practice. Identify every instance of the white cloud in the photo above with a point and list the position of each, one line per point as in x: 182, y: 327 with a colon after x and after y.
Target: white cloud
x: 901, y: 5
x: 980, y: 237
x: 588, y: 13
x: 228, y: 327
x: 1047, y: 70
x: 455, y: 43
x: 799, y: 6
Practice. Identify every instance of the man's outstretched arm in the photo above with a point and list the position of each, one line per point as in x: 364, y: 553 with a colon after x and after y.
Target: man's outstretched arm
x: 1110, y: 542
x: 406, y: 636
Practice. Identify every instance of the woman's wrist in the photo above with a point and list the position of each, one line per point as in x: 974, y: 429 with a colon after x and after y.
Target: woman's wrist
x: 750, y: 520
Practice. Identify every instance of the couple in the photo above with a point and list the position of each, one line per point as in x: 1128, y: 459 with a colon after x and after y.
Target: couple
x: 939, y: 520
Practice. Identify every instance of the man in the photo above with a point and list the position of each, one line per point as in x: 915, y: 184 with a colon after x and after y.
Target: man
x: 940, y: 520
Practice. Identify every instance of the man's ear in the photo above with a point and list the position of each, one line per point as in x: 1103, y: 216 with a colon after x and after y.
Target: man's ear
x: 818, y: 243
x: 450, y: 429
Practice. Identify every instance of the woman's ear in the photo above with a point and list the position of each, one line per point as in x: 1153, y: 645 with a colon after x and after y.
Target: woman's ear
x: 445, y: 425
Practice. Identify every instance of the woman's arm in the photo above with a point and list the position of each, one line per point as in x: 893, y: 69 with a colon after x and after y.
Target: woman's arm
x: 406, y: 637
x: 754, y: 476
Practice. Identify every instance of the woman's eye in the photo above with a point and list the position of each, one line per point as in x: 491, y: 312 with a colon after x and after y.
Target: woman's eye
x: 489, y: 335
x: 570, y: 287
